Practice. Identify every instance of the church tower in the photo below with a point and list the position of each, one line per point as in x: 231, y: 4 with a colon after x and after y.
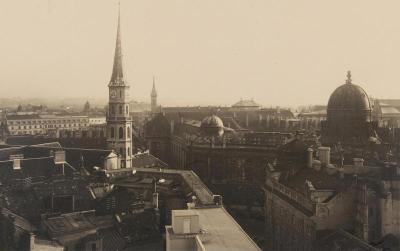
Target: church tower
x: 119, y: 123
x: 153, y: 96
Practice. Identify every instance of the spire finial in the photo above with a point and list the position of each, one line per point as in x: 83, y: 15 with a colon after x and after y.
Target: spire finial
x: 348, y: 80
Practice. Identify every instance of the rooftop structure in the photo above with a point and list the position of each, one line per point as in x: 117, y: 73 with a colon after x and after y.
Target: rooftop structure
x: 71, y: 196
x: 206, y: 229
x: 306, y: 201
x: 348, y: 116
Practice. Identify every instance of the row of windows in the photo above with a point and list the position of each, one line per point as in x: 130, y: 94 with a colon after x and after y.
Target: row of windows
x: 120, y: 132
x: 27, y: 132
x: 47, y: 121
x: 44, y: 126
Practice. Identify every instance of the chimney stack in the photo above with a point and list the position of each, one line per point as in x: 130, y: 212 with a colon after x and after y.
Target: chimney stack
x: 59, y: 157
x: 310, y: 157
x: 16, y: 158
x: 172, y: 126
x: 324, y: 154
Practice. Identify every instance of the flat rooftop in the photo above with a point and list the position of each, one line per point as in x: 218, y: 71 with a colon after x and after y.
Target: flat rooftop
x: 222, y: 232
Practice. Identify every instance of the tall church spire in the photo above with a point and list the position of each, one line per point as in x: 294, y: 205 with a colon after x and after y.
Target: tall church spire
x: 153, y: 90
x: 119, y: 121
x: 117, y: 77
x: 153, y: 97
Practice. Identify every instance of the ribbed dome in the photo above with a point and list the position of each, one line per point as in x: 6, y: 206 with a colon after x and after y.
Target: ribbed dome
x: 212, y: 126
x: 349, y: 100
x: 349, y: 97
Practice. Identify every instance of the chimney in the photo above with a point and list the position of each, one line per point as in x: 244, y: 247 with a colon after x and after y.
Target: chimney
x: 31, y: 241
x: 172, y: 123
x: 59, y: 157
x: 310, y: 157
x: 324, y: 154
x: 217, y: 199
x: 16, y: 158
x: 16, y: 164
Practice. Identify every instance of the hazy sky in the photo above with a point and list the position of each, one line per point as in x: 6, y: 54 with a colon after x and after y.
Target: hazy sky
x: 278, y: 52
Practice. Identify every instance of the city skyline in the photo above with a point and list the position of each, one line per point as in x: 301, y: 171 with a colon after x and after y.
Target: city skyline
x: 199, y: 125
x: 60, y: 46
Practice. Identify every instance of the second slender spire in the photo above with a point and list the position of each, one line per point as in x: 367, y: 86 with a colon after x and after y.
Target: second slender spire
x: 153, y: 90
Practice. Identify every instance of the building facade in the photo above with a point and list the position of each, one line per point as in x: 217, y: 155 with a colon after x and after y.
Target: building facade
x: 35, y: 124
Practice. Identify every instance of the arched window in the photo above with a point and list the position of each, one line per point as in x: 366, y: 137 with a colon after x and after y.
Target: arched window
x: 129, y: 151
x: 128, y: 132
x: 121, y: 132
x: 112, y: 132
x: 112, y: 109
x: 127, y: 109
x: 120, y: 109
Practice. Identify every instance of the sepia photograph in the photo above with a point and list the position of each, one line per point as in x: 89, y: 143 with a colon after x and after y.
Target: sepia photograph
x: 188, y: 125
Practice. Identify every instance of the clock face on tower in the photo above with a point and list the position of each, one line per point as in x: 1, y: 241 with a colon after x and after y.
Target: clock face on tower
x: 113, y: 94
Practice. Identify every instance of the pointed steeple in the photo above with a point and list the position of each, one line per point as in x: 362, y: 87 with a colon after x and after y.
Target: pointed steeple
x: 117, y: 77
x: 153, y: 91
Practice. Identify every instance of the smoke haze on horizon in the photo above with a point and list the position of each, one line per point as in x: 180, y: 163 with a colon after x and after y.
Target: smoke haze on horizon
x: 212, y: 52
